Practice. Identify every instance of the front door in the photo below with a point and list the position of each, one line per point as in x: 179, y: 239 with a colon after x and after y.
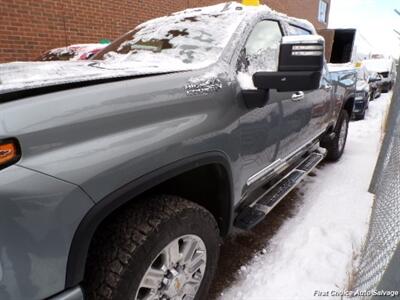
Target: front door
x: 275, y: 130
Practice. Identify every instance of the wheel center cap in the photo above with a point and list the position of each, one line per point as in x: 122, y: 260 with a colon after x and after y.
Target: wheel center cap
x: 176, y: 285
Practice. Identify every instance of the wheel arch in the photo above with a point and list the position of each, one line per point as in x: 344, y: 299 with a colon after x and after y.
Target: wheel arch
x: 93, y: 219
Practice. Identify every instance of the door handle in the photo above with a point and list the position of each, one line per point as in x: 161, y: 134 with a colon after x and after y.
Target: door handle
x: 327, y: 87
x: 298, y: 96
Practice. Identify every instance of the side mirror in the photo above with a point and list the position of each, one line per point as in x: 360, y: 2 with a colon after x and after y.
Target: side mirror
x: 301, y: 60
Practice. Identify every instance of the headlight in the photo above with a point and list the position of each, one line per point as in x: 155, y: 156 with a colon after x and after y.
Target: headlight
x: 9, y: 152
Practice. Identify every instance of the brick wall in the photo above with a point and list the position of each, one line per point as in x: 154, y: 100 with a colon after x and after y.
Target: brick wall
x: 30, y: 27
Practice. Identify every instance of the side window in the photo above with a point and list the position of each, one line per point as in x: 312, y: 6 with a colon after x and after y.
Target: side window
x: 323, y: 11
x: 296, y: 30
x: 261, y: 52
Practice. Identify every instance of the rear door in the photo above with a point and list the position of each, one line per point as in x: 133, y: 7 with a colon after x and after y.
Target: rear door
x: 316, y: 104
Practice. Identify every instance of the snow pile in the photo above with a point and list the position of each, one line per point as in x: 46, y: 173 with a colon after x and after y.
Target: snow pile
x: 245, y: 80
x: 315, y: 250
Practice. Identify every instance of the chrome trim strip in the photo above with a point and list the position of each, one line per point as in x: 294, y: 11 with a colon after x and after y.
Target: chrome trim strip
x: 278, y: 163
x: 307, y: 53
x: 308, y: 47
x: 263, y: 172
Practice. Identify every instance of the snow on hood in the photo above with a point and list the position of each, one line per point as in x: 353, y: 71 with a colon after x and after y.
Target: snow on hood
x: 28, y: 75
x: 71, y: 52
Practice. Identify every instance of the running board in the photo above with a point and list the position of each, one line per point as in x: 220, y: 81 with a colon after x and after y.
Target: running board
x: 253, y: 214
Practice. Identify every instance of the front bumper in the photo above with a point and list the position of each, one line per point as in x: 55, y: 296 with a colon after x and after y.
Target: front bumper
x: 38, y: 218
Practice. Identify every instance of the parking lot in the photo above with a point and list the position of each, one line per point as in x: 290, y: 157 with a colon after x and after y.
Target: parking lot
x: 311, y: 240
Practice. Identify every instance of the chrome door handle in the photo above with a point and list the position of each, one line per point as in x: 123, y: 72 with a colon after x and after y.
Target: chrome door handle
x: 327, y: 87
x: 298, y: 96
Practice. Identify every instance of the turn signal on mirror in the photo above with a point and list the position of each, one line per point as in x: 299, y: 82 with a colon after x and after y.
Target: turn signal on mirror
x: 9, y: 152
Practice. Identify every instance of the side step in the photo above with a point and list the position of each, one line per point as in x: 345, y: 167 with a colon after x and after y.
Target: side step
x: 256, y: 212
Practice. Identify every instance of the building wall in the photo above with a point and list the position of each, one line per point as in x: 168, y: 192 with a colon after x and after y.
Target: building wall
x: 30, y: 27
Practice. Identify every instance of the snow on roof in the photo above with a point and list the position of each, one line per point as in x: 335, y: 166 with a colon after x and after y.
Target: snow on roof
x: 341, y: 67
x: 378, y: 65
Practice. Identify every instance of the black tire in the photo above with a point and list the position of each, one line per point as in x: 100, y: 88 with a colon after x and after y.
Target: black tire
x: 372, y: 96
x: 360, y: 116
x: 124, y: 248
x: 335, y: 152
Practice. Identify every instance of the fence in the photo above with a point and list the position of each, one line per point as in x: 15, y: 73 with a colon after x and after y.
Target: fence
x: 379, y: 267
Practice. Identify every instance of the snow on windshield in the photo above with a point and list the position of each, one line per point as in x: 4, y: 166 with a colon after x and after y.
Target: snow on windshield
x: 72, y: 52
x: 194, y: 37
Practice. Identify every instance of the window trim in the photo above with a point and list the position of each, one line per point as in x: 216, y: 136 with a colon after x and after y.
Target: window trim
x: 300, y: 27
x: 325, y: 21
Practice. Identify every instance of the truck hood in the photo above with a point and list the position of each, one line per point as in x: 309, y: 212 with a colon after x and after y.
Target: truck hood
x: 22, y: 76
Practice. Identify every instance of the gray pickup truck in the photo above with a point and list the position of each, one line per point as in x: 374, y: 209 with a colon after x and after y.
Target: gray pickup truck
x: 119, y: 176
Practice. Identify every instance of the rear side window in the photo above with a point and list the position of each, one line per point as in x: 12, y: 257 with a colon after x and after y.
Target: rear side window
x: 296, y: 30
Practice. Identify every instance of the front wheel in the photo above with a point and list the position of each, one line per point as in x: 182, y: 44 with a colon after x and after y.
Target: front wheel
x: 335, y: 147
x: 360, y: 116
x: 164, y: 248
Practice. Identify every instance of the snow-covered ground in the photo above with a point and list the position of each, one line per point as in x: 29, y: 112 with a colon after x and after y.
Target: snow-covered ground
x: 316, y: 248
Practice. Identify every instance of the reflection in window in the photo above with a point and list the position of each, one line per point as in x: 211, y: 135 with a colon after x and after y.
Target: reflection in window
x: 296, y: 30
x: 323, y: 11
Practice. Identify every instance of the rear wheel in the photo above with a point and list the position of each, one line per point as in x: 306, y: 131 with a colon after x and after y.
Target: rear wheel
x: 360, y: 116
x: 335, y: 147
x: 165, y: 248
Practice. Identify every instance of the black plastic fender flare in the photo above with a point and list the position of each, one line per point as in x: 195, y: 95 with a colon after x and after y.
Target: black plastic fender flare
x: 83, y: 235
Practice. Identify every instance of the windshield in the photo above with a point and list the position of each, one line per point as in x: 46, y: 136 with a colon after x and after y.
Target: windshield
x: 194, y: 38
